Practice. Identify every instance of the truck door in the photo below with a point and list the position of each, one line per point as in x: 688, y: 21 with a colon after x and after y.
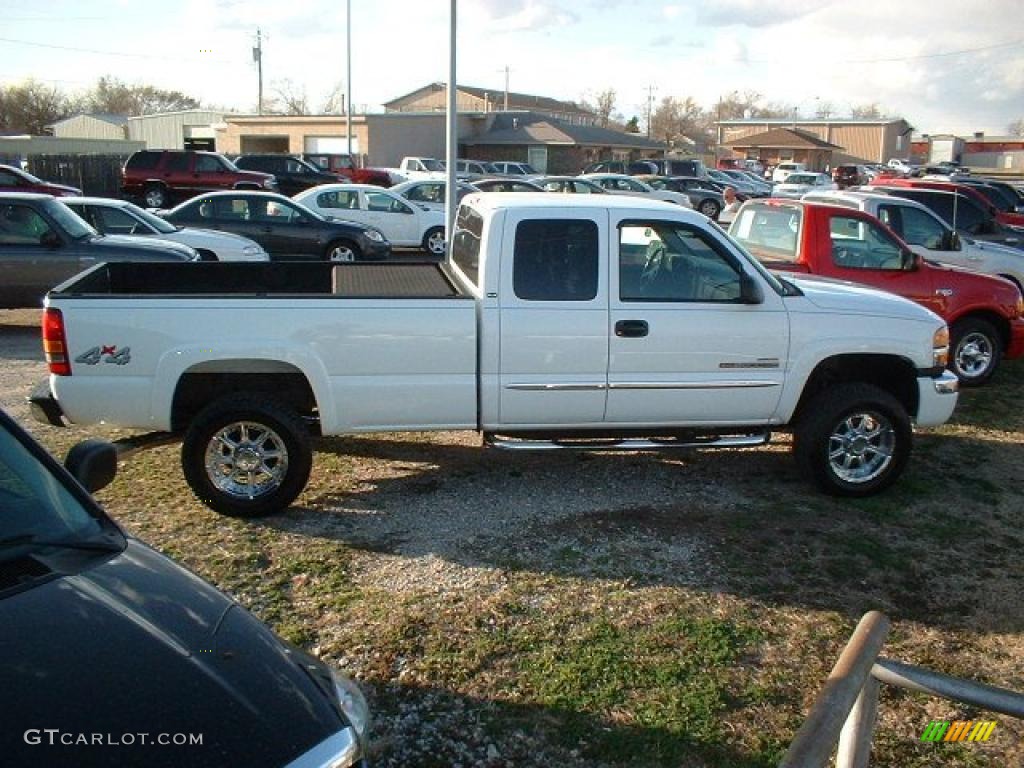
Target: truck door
x: 863, y: 252
x: 684, y: 349
x: 553, y: 358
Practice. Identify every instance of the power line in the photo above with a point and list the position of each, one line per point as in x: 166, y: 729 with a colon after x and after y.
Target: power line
x: 121, y: 54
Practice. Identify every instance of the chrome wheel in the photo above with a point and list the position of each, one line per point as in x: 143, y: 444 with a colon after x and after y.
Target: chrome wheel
x: 436, y: 243
x: 246, y: 459
x: 974, y: 354
x: 155, y: 197
x: 861, y: 447
x: 341, y: 253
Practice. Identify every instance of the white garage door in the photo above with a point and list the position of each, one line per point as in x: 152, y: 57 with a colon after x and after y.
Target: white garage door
x: 330, y: 145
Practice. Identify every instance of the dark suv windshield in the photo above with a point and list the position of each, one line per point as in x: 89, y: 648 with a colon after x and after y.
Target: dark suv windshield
x: 34, y: 504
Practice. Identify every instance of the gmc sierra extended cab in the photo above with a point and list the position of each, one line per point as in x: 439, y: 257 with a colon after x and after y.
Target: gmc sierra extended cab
x: 985, y: 314
x: 561, y: 321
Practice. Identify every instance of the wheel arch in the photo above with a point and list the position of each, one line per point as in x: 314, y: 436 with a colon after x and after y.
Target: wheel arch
x: 890, y: 373
x: 290, y: 384
x: 1000, y: 323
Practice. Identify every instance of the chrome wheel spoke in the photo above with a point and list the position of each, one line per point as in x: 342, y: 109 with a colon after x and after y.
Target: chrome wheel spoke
x: 246, y: 460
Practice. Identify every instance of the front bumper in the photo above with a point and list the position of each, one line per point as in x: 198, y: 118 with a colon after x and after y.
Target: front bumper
x: 375, y: 250
x: 937, y: 397
x: 44, y: 405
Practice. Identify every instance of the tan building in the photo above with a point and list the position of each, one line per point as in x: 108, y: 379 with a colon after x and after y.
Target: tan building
x: 786, y: 145
x: 859, y: 141
x: 383, y: 139
x: 434, y: 98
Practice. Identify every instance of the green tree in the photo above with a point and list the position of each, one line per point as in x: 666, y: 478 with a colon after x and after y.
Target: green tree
x: 633, y: 125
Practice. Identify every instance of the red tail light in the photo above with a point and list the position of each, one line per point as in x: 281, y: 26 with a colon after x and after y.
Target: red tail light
x: 55, y: 343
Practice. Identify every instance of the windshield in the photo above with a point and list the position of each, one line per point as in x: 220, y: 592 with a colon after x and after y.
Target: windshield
x: 162, y: 226
x: 68, y: 220
x: 33, y: 502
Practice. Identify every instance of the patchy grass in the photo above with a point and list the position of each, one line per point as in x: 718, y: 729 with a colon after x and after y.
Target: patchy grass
x: 623, y: 611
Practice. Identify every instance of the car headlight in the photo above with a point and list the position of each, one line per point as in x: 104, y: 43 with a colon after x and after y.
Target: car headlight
x: 940, y: 347
x: 353, y: 704
x: 373, y: 234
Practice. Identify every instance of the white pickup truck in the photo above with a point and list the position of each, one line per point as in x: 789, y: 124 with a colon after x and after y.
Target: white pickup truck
x: 560, y: 322
x: 417, y: 169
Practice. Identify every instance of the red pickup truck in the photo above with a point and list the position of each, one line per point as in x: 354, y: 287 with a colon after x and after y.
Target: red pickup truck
x: 985, y: 314
x: 1003, y: 217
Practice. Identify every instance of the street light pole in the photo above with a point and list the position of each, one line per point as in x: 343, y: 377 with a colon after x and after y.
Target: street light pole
x: 452, y: 140
x: 348, y: 67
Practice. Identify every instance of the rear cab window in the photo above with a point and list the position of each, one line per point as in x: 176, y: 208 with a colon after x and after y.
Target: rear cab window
x: 555, y: 260
x: 768, y: 231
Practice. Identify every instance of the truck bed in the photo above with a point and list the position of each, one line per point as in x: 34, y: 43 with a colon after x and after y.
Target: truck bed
x: 407, y: 280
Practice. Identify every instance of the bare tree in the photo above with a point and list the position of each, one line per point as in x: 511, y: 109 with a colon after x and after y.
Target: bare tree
x: 606, y: 106
x: 119, y: 98
x: 31, y: 106
x: 1016, y: 128
x: 288, y: 98
x: 676, y: 118
x: 824, y: 110
x: 334, y: 104
x: 866, y: 111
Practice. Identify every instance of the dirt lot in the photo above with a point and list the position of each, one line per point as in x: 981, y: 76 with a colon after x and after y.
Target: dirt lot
x: 612, y: 610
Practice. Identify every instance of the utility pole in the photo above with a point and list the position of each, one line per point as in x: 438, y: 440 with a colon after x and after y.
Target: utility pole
x: 257, y: 56
x: 650, y: 105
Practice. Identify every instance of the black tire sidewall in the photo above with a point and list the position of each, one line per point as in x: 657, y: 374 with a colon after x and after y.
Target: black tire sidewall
x: 829, y: 408
x: 261, y: 410
x: 963, y: 328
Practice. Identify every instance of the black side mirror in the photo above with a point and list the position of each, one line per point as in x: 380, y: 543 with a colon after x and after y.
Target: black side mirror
x: 750, y: 290
x: 50, y: 239
x: 93, y: 463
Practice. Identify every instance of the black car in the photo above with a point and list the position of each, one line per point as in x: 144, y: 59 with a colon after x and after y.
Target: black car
x: 293, y: 175
x: 42, y: 244
x: 287, y: 230
x: 506, y: 185
x: 114, y: 655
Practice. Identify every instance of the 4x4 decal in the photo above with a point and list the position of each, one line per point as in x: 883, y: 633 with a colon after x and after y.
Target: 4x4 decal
x: 106, y: 354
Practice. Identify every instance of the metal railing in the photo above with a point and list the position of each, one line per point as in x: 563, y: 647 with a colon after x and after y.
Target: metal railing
x: 846, y: 709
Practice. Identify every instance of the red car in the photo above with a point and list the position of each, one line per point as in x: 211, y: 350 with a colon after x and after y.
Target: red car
x: 985, y: 314
x: 16, y: 180
x: 1003, y: 217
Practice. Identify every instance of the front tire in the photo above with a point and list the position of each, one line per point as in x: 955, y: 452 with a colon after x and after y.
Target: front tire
x: 434, y: 243
x: 853, y: 440
x: 975, y: 351
x: 342, y: 251
x: 246, y: 456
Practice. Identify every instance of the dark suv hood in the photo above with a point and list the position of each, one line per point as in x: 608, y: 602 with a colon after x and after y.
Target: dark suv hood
x: 151, y: 247
x: 138, y: 645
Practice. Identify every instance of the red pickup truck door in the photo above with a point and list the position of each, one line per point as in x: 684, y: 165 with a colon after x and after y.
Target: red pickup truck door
x: 859, y: 249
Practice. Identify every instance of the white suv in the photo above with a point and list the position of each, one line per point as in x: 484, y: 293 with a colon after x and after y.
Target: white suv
x: 782, y: 170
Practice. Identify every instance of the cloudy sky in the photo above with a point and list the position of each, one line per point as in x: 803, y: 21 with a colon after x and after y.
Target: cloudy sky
x: 945, y: 66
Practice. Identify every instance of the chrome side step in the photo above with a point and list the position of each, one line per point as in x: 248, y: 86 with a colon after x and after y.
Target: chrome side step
x: 613, y: 444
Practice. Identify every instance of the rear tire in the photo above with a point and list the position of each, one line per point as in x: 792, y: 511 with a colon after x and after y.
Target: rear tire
x: 853, y: 440
x: 434, y: 243
x: 246, y: 456
x: 155, y: 196
x: 975, y: 350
